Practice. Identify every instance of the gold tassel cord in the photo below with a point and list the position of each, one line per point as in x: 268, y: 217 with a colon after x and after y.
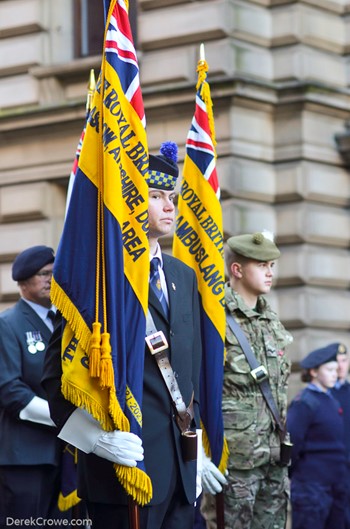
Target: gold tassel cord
x: 106, y: 372
x: 202, y: 69
x: 95, y: 350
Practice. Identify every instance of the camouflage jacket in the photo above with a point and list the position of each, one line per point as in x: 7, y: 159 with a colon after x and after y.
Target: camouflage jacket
x: 249, y: 426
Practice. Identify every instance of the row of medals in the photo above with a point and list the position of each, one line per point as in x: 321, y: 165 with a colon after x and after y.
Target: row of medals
x: 34, y: 342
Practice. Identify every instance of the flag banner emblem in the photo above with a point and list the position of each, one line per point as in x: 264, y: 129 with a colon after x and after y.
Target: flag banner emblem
x: 100, y: 280
x: 198, y: 241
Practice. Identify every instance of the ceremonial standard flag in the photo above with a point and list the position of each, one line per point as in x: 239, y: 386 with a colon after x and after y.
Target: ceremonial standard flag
x: 198, y: 241
x: 100, y: 280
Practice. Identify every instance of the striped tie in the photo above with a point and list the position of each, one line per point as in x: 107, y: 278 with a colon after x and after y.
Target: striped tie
x: 156, y: 284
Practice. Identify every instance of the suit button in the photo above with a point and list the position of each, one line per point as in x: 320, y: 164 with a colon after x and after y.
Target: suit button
x: 172, y: 333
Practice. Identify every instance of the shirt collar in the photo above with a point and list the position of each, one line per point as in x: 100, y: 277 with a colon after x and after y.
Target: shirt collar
x: 315, y: 388
x: 39, y: 309
x: 157, y: 254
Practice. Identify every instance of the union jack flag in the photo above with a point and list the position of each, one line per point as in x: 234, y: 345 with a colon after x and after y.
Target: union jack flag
x: 121, y: 54
x: 200, y: 144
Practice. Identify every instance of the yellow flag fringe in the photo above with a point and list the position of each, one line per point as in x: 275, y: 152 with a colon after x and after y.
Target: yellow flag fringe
x: 70, y: 313
x: 67, y: 502
x: 136, y: 483
x: 225, y: 451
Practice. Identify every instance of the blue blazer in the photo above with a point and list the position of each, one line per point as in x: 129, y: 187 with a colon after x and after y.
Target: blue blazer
x: 161, y: 436
x: 23, y: 442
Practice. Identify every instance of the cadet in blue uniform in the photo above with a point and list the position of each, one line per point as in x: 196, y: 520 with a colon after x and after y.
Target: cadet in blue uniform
x: 341, y: 392
x: 316, y: 427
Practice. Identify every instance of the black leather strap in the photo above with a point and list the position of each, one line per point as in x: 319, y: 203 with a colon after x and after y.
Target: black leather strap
x: 254, y: 365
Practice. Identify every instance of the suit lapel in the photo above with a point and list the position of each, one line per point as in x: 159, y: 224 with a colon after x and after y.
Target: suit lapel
x: 155, y: 303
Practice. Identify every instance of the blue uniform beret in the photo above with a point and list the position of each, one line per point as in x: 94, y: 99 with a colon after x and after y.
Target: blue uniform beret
x: 30, y: 261
x: 322, y: 355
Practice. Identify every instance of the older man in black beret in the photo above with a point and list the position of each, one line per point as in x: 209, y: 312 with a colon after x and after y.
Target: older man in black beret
x: 29, y: 448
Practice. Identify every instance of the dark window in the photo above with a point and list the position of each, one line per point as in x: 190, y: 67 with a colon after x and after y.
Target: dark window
x: 89, y: 26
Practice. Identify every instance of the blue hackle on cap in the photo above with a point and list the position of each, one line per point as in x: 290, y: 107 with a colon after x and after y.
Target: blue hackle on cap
x: 169, y: 150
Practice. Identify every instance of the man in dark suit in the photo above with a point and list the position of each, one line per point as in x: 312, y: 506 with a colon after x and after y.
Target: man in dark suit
x: 29, y: 448
x: 173, y: 478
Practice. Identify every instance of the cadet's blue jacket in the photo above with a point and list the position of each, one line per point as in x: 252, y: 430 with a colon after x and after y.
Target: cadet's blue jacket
x: 315, y: 423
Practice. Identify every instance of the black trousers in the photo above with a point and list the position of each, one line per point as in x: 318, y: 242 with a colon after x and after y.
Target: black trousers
x: 173, y: 513
x: 28, y: 492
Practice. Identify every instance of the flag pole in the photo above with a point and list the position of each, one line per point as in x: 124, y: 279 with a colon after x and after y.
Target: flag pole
x: 134, y: 513
x: 220, y: 511
x: 219, y: 497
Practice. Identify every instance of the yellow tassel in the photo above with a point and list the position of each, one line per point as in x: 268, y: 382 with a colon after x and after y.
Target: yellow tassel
x: 106, y: 373
x: 95, y: 350
x: 202, y: 69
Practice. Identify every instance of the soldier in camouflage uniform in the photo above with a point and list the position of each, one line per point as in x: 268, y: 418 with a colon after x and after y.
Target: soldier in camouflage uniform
x: 256, y: 496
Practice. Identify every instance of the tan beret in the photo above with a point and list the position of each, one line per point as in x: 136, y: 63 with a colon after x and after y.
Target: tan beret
x: 254, y: 246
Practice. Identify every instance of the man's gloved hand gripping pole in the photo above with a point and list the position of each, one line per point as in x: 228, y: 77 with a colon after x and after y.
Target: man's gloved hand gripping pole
x: 209, y: 477
x: 84, y: 432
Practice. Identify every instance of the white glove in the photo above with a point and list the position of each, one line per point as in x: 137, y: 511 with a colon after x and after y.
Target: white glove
x: 212, y: 478
x: 123, y: 448
x: 37, y: 410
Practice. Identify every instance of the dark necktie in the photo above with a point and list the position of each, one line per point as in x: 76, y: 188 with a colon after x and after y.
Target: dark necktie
x: 156, y: 284
x: 51, y: 315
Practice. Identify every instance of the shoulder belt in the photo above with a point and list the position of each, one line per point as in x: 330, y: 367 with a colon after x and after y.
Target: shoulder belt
x: 158, y: 346
x: 258, y: 372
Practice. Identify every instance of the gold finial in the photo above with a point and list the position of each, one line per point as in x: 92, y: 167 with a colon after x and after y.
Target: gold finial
x: 91, y: 90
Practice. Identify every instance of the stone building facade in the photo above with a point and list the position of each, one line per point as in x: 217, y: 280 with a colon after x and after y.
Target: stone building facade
x: 279, y: 76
